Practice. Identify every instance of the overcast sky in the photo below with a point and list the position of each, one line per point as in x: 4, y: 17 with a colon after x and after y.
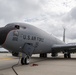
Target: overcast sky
x: 49, y: 15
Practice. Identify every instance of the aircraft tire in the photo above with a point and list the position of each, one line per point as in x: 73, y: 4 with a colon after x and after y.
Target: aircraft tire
x: 26, y: 61
x: 43, y: 55
x: 65, y: 55
x: 54, y: 54
x: 22, y: 61
x: 69, y: 56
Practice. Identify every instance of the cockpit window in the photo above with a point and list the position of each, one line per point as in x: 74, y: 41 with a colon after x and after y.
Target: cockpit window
x: 16, y: 26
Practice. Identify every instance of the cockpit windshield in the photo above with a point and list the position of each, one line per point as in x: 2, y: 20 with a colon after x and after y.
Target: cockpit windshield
x: 17, y: 26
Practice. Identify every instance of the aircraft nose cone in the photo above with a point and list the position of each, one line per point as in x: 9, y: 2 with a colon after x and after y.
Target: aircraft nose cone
x: 4, y: 32
x: 3, y: 35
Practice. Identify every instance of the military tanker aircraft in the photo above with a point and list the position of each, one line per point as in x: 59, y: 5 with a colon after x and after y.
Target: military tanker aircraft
x: 21, y: 38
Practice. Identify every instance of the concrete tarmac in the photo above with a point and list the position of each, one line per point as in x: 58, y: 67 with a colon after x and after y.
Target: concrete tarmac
x: 43, y: 66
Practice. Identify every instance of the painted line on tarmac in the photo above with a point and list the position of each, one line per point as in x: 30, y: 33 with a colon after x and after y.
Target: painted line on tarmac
x: 6, y: 59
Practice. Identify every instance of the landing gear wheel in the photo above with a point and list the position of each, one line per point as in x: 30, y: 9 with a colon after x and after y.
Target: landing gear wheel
x: 22, y: 61
x: 69, y: 56
x: 54, y: 54
x: 65, y: 55
x: 25, y: 61
x: 43, y: 55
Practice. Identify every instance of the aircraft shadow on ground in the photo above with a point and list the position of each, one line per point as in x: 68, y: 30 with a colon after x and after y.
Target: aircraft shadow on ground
x: 52, y: 59
x: 37, y: 59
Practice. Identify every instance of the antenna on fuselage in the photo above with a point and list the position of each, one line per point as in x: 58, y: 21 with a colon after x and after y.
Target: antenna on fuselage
x: 64, y: 34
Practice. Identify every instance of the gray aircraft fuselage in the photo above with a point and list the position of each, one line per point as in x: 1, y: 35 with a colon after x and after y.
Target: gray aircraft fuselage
x: 15, y: 39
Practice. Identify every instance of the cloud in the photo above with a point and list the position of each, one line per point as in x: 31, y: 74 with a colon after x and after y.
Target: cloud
x: 70, y: 16
x: 69, y: 22
x: 54, y: 23
x: 16, y: 10
x: 49, y: 15
x: 73, y: 13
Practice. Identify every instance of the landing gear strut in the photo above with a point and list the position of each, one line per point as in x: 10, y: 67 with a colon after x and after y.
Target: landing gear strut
x: 67, y: 55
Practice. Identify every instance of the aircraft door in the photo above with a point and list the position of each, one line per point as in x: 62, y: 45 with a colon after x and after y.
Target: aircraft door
x: 28, y: 49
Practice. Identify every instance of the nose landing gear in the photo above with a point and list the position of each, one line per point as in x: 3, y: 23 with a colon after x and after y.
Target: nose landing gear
x: 25, y: 60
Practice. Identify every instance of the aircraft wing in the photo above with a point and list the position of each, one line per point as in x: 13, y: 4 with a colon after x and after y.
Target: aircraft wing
x: 62, y: 48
